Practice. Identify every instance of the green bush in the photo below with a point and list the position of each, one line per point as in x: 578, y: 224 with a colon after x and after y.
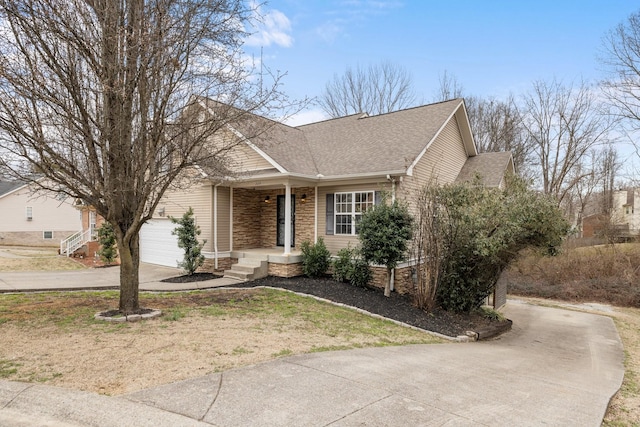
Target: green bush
x: 384, y: 233
x: 315, y: 258
x: 342, y: 265
x: 188, y: 232
x: 350, y: 267
x: 107, y: 239
x: 480, y: 231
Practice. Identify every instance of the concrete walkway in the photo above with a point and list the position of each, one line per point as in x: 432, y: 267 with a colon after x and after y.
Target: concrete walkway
x: 100, y: 278
x: 555, y: 367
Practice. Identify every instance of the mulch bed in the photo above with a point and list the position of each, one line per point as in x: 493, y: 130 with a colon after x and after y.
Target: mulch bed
x: 195, y: 277
x: 397, y: 307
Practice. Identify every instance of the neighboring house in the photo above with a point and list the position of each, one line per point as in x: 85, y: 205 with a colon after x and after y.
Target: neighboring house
x: 306, y: 182
x: 30, y: 218
x: 622, y: 222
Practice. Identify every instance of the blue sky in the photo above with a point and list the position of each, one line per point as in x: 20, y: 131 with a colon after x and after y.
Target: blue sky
x: 493, y: 48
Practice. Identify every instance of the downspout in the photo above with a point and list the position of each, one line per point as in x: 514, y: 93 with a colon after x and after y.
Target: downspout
x: 392, y: 279
x: 315, y: 216
x: 230, y: 219
x: 215, y: 226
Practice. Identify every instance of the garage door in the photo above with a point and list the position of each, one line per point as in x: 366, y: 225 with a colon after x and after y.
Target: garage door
x: 158, y: 245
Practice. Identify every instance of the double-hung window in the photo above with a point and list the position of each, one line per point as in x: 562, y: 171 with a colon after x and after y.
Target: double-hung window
x: 349, y: 208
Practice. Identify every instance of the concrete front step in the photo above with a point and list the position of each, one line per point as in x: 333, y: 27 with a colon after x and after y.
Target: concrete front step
x: 248, y: 269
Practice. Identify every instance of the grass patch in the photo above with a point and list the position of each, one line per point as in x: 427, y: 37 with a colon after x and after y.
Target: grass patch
x: 57, y: 263
x: 282, y: 353
x: 8, y: 368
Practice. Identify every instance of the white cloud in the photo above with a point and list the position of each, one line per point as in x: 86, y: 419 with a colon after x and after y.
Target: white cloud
x: 306, y: 117
x: 270, y: 27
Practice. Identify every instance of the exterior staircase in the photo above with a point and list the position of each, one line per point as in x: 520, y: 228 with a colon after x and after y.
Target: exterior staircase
x: 74, y: 242
x: 249, y: 267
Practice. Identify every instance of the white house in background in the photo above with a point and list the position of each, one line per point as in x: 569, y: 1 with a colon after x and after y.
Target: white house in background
x: 35, y: 219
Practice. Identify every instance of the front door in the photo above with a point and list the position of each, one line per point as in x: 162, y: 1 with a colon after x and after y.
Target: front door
x: 280, y: 231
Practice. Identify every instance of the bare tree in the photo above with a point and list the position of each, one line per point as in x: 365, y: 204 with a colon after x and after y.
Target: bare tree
x: 497, y: 126
x: 622, y: 58
x: 563, y: 123
x: 449, y: 87
x: 377, y: 89
x: 101, y: 97
x: 595, y: 176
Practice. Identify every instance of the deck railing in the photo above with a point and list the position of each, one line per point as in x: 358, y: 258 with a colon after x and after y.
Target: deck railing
x: 74, y: 242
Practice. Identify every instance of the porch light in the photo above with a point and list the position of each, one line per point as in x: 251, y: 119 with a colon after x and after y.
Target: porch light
x: 267, y: 199
x: 303, y: 199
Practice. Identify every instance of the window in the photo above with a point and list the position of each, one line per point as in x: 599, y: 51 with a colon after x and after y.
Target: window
x: 29, y: 213
x: 349, y: 208
x: 47, y: 234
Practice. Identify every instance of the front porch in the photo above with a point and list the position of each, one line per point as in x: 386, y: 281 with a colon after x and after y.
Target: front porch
x: 251, y: 264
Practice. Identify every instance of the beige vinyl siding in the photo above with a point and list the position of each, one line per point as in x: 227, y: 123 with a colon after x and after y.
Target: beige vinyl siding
x: 336, y: 242
x: 442, y: 161
x: 239, y: 156
x: 224, y: 216
x: 244, y: 159
x: 199, y: 197
x: 48, y: 213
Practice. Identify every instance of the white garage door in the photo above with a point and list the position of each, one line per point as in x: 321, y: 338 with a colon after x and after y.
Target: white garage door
x: 158, y: 245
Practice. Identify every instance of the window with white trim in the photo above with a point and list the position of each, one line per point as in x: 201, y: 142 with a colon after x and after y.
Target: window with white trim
x: 47, y: 235
x: 29, y: 213
x: 349, y: 208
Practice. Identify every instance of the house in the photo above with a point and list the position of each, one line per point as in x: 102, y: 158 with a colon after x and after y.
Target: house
x: 30, y: 218
x: 623, y: 221
x: 314, y: 181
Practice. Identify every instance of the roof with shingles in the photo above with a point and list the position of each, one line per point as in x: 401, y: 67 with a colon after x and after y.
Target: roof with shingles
x: 491, y: 167
x: 9, y: 186
x: 360, y: 144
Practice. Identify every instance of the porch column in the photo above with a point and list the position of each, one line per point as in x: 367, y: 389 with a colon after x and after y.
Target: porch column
x: 230, y: 219
x: 287, y: 220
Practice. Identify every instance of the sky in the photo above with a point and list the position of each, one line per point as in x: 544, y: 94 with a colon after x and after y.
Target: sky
x: 491, y: 47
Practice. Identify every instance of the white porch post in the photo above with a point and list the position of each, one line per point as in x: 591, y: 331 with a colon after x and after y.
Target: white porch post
x: 315, y: 216
x: 287, y: 219
x: 230, y: 219
x: 215, y: 225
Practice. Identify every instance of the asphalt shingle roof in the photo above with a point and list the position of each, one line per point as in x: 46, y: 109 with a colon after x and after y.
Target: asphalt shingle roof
x: 490, y: 166
x: 9, y: 186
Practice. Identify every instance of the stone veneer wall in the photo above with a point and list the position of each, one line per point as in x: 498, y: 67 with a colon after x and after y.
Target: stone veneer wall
x: 246, y: 219
x: 285, y: 270
x: 33, y: 238
x: 403, y: 284
x: 223, y: 264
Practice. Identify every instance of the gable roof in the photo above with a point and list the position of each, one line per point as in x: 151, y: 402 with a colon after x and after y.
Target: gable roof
x: 355, y: 145
x: 491, y: 167
x: 7, y: 187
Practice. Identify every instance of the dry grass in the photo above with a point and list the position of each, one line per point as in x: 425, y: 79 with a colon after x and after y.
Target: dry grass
x: 607, y: 274
x: 53, y: 338
x: 35, y: 259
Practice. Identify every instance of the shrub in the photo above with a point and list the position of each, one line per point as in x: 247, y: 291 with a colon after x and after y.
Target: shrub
x: 315, y: 258
x: 480, y: 231
x: 350, y: 267
x: 188, y: 232
x: 107, y: 239
x: 384, y: 232
x: 342, y: 265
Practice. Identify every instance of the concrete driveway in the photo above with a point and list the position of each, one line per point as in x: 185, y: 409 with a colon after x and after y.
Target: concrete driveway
x: 556, y: 367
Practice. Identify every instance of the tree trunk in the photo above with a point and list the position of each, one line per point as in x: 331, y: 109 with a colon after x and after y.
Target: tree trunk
x: 387, y: 287
x: 129, y: 269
